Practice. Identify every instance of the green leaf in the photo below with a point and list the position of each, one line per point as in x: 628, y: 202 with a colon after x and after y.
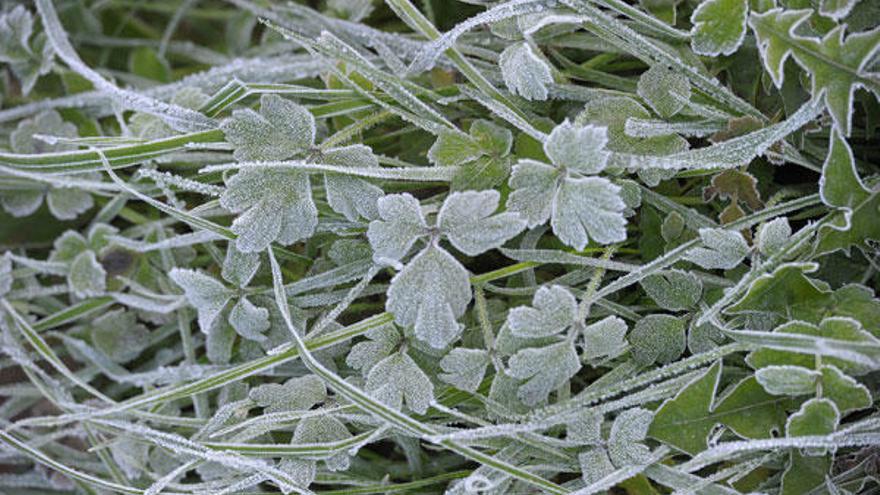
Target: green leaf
x: 837, y: 65
x: 841, y: 187
x: 719, y: 26
x: 381, y: 341
x: 804, y: 473
x: 464, y: 368
x: 658, y: 339
x: 454, y: 148
x: 847, y: 393
x: 206, y: 294
x: 784, y: 291
x: 28, y: 56
x: 674, y: 290
x: 787, y: 380
x: 282, y: 129
x: 398, y: 379
x: 725, y: 249
x: 544, y: 369
x: 118, y: 335
x: 664, y: 90
x: 296, y: 394
x: 146, y: 63
x: 87, y: 277
x: 274, y: 205
x: 686, y: 420
x: 815, y: 417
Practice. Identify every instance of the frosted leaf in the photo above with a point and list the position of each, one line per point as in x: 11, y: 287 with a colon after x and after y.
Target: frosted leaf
x: 381, y: 342
x: 5, y: 273
x: 302, y: 471
x: 585, y: 427
x: 454, y: 148
x: 67, y: 204
x: 297, y: 394
x: 21, y: 203
x: 67, y: 246
x: 207, y: 295
x: 773, y: 235
x: 118, y: 335
x: 836, y: 9
x: 719, y: 26
x: 815, y: 417
x: 467, y: 220
x: 86, y: 277
x: 248, y: 320
x: 544, y: 369
x: 281, y: 129
x: 674, y: 290
x: 725, y: 249
x: 605, y: 338
x: 787, y: 380
x: 238, y: 267
x: 28, y: 56
x: 844, y: 390
x: 274, y: 205
x: 628, y: 431
x: 588, y: 208
x: 49, y: 123
x: 658, y: 338
x: 398, y: 379
x: 524, y: 72
x: 464, y: 368
x: 664, y: 90
x: 430, y: 293
x: 553, y: 310
x: 533, y: 187
x: 323, y: 429
x: 580, y: 148
x: 401, y: 223
x: 673, y: 226
x: 351, y: 10
x: 595, y: 464
x: 351, y: 196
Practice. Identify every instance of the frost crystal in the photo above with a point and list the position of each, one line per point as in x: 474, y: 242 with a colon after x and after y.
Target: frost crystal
x: 525, y: 73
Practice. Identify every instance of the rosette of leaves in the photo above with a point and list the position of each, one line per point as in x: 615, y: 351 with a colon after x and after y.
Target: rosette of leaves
x: 219, y: 317
x: 579, y: 205
x: 432, y: 290
x: 65, y: 203
x: 28, y: 55
x: 274, y: 203
x: 79, y: 256
x: 624, y: 447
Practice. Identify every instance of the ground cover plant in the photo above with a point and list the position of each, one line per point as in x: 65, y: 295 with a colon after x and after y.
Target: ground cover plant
x: 350, y: 247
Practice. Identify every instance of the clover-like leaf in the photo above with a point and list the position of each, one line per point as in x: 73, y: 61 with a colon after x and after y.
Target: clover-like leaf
x: 238, y: 267
x: 524, y: 72
x: 467, y: 220
x: 719, y: 26
x: 430, y: 293
x: 724, y: 249
x: 626, y: 441
x: 28, y: 56
x: 118, y: 335
x: 323, y: 429
x: 381, y: 342
x: 275, y: 205
x: 847, y: 393
x: 86, y: 277
x: 206, y: 294
x: 281, y: 129
x: 664, y: 90
x: 351, y: 196
x: 787, y: 380
x: 464, y: 368
x: 534, y: 188
x: 398, y: 379
x: 553, y: 310
x: 674, y: 290
x: 296, y: 394
x: 772, y: 236
x: 248, y: 320
x: 399, y: 226
x: 578, y: 147
x: 605, y: 338
x: 588, y: 208
x: 658, y: 338
x: 815, y: 417
x: 544, y: 369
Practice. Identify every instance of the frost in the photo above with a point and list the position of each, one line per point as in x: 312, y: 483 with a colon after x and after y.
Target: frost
x: 351, y: 196
x: 296, y: 394
x: 553, y: 310
x: 674, y: 290
x: 719, y: 26
x: 430, y: 293
x: 836, y: 9
x: 605, y: 338
x: 665, y: 91
x: 815, y: 417
x: 248, y: 320
x: 658, y: 338
x: 323, y: 429
x: 481, y: 155
x: 118, y: 335
x: 400, y: 224
x: 772, y: 236
x: 467, y: 220
x: 5, y: 273
x: 544, y: 369
x: 625, y: 445
x: 398, y: 379
x: 579, y: 208
x: 381, y: 342
x: 525, y: 73
x: 85, y: 276
x: 280, y: 130
x: 29, y: 56
x: 787, y: 380
x: 464, y: 368
x: 275, y: 205
x: 238, y: 267
x: 725, y: 249
x: 206, y: 294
